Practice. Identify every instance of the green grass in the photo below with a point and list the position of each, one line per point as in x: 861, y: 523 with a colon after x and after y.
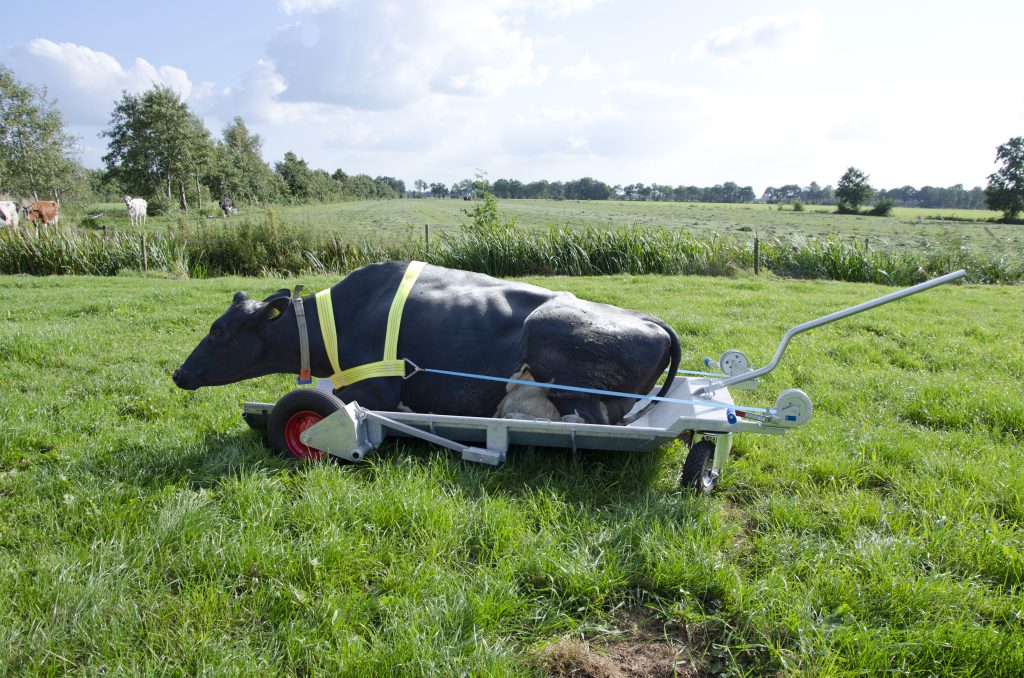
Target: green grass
x: 145, y: 530
x: 910, y: 229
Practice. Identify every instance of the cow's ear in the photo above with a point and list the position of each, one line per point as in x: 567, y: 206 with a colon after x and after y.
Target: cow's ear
x: 240, y: 298
x: 273, y: 309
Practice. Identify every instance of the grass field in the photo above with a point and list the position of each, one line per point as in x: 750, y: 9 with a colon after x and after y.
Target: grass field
x: 145, y: 530
x: 906, y: 229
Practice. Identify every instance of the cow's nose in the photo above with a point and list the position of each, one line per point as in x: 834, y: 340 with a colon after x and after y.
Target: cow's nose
x: 175, y: 376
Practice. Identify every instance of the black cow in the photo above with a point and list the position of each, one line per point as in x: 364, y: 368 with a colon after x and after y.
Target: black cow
x: 227, y: 206
x: 453, y: 320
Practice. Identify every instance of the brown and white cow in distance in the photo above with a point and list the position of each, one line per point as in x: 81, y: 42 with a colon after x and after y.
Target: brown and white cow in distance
x: 44, y: 212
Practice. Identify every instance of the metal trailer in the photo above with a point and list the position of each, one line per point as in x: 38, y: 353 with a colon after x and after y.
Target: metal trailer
x: 699, y: 409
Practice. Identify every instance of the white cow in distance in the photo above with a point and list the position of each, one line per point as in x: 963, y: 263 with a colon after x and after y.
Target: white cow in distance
x: 9, y: 213
x: 136, y: 210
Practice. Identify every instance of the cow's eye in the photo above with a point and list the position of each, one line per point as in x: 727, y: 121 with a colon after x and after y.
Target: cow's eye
x: 216, y: 332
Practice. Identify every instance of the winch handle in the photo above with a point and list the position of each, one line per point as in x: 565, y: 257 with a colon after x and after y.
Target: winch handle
x: 824, y: 320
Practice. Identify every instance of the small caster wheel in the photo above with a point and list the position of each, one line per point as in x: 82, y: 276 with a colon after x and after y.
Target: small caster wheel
x: 698, y: 473
x: 794, y: 406
x: 292, y: 415
x: 733, y: 362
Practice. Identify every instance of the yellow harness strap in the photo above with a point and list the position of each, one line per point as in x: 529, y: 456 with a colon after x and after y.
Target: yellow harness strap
x: 390, y: 365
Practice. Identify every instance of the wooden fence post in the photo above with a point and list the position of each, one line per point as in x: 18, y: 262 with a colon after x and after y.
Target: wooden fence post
x: 426, y: 237
x: 757, y: 256
x: 145, y: 255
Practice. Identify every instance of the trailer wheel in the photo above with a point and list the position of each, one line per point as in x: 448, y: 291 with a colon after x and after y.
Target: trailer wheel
x: 698, y: 474
x: 292, y: 415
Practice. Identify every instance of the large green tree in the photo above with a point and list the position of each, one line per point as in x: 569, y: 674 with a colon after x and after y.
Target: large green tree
x: 239, y: 171
x: 310, y: 185
x: 297, y: 176
x: 38, y: 157
x: 853, y: 190
x: 1005, y: 190
x: 157, y: 145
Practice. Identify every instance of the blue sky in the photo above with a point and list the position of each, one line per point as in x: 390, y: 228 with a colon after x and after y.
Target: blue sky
x: 670, y: 92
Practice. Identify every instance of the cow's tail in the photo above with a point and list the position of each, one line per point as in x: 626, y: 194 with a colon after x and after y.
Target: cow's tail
x: 673, y: 365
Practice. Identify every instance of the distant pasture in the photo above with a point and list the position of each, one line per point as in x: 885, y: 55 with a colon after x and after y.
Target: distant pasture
x: 906, y: 229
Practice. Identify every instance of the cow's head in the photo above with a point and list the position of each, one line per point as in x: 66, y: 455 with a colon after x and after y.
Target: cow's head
x: 242, y: 344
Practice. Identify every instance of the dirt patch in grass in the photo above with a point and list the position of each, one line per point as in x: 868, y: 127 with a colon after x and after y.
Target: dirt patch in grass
x: 645, y: 647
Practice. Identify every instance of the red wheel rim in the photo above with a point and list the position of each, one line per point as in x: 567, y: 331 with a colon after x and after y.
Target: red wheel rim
x: 298, y: 423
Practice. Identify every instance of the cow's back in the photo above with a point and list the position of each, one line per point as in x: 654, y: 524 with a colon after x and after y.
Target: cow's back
x: 453, y: 320
x: 44, y: 211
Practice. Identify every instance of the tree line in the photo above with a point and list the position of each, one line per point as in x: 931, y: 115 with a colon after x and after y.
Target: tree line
x: 587, y: 188
x: 157, y: 148
x: 37, y: 156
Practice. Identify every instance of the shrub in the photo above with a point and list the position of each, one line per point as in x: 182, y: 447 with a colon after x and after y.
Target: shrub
x: 798, y: 206
x: 484, y: 219
x: 90, y: 223
x: 158, y: 205
x: 883, y: 207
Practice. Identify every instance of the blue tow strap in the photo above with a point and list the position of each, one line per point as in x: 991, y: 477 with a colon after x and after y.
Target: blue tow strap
x: 580, y: 389
x: 700, y: 374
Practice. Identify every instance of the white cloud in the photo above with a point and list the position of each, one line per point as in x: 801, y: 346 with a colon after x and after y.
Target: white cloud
x: 629, y: 120
x: 556, y: 8
x: 256, y: 99
x: 656, y: 98
x: 584, y: 70
x: 294, y: 6
x: 547, y: 7
x: 379, y: 56
x: 766, y: 41
x: 87, y: 83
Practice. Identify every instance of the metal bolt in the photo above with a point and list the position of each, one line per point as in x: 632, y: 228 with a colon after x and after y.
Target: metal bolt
x: 305, y: 438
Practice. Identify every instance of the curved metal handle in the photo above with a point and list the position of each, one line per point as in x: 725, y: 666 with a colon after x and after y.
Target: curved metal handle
x: 824, y: 320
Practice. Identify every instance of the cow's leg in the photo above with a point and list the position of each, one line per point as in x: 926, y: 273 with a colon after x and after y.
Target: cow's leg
x: 576, y: 343
x: 581, y: 410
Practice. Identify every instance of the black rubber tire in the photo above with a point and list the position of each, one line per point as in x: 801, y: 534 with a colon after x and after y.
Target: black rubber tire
x: 696, y: 475
x: 301, y: 400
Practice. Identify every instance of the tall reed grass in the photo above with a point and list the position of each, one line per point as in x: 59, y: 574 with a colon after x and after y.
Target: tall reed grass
x: 590, y: 251
x: 266, y: 246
